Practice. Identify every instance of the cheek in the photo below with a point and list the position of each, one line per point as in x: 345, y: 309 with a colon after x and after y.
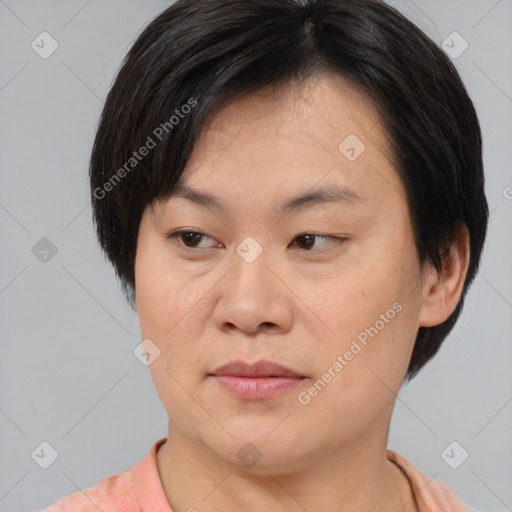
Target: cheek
x: 371, y: 314
x: 355, y: 300
x: 369, y: 360
x: 172, y: 313
x: 168, y: 313
x: 161, y: 294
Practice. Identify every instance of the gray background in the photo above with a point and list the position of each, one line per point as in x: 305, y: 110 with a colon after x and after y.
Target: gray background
x: 68, y: 375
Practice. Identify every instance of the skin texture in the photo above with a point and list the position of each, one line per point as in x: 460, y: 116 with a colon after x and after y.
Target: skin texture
x: 301, y: 303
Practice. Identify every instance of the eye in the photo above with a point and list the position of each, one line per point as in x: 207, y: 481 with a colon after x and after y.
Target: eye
x: 307, y: 240
x: 189, y: 238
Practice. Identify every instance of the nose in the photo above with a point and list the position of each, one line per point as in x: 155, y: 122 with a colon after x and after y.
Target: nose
x: 254, y: 298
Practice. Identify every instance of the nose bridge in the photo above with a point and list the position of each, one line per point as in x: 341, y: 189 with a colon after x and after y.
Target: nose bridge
x: 250, y: 271
x: 252, y: 297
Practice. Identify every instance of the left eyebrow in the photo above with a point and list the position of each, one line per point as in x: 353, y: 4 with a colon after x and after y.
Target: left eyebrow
x: 331, y: 193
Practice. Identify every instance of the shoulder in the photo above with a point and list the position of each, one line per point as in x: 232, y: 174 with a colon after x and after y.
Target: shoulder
x: 136, y: 490
x: 114, y: 493
x: 432, y: 495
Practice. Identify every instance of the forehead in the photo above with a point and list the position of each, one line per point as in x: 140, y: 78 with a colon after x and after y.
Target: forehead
x: 322, y: 110
x: 282, y: 141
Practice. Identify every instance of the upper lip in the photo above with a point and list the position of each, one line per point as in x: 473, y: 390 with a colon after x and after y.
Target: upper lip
x: 256, y: 369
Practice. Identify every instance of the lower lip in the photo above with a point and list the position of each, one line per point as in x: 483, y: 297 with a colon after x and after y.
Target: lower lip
x: 257, y: 388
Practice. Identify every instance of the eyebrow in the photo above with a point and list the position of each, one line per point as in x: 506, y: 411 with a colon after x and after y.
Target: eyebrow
x: 332, y: 193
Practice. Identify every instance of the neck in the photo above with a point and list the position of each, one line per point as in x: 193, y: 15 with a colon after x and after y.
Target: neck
x: 358, y: 478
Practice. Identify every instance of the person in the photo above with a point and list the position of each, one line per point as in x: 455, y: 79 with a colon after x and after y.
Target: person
x: 292, y: 195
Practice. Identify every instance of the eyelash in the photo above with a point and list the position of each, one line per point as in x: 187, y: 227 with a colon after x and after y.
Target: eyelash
x: 176, y: 234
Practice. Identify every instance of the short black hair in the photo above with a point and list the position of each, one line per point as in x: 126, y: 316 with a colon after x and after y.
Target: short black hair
x: 198, y: 55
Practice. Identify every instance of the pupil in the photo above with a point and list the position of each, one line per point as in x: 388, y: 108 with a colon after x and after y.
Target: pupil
x: 192, y: 237
x: 309, y: 239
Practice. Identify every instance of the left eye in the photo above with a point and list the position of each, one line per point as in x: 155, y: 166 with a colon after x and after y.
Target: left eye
x: 308, y: 239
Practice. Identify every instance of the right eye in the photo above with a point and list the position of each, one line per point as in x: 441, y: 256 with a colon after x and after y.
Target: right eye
x: 188, y: 238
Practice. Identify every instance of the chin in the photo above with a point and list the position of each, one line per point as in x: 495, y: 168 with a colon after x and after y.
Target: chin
x: 258, y: 447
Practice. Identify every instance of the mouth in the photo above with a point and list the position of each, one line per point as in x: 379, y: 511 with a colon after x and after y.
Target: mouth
x: 258, y: 369
x: 260, y: 380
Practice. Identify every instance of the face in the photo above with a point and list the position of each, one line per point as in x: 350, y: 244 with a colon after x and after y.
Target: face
x: 328, y: 288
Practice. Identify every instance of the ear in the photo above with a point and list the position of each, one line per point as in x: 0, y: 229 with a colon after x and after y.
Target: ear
x: 442, y: 289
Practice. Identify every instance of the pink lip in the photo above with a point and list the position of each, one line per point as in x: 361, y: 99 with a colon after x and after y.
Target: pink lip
x: 263, y: 379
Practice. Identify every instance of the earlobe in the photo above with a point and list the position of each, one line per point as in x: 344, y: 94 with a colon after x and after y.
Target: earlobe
x: 442, y: 289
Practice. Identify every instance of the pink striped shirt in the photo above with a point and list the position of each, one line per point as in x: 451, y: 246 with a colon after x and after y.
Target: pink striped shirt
x: 139, y: 490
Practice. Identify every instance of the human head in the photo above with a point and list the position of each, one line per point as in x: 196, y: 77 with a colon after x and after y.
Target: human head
x: 197, y: 57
